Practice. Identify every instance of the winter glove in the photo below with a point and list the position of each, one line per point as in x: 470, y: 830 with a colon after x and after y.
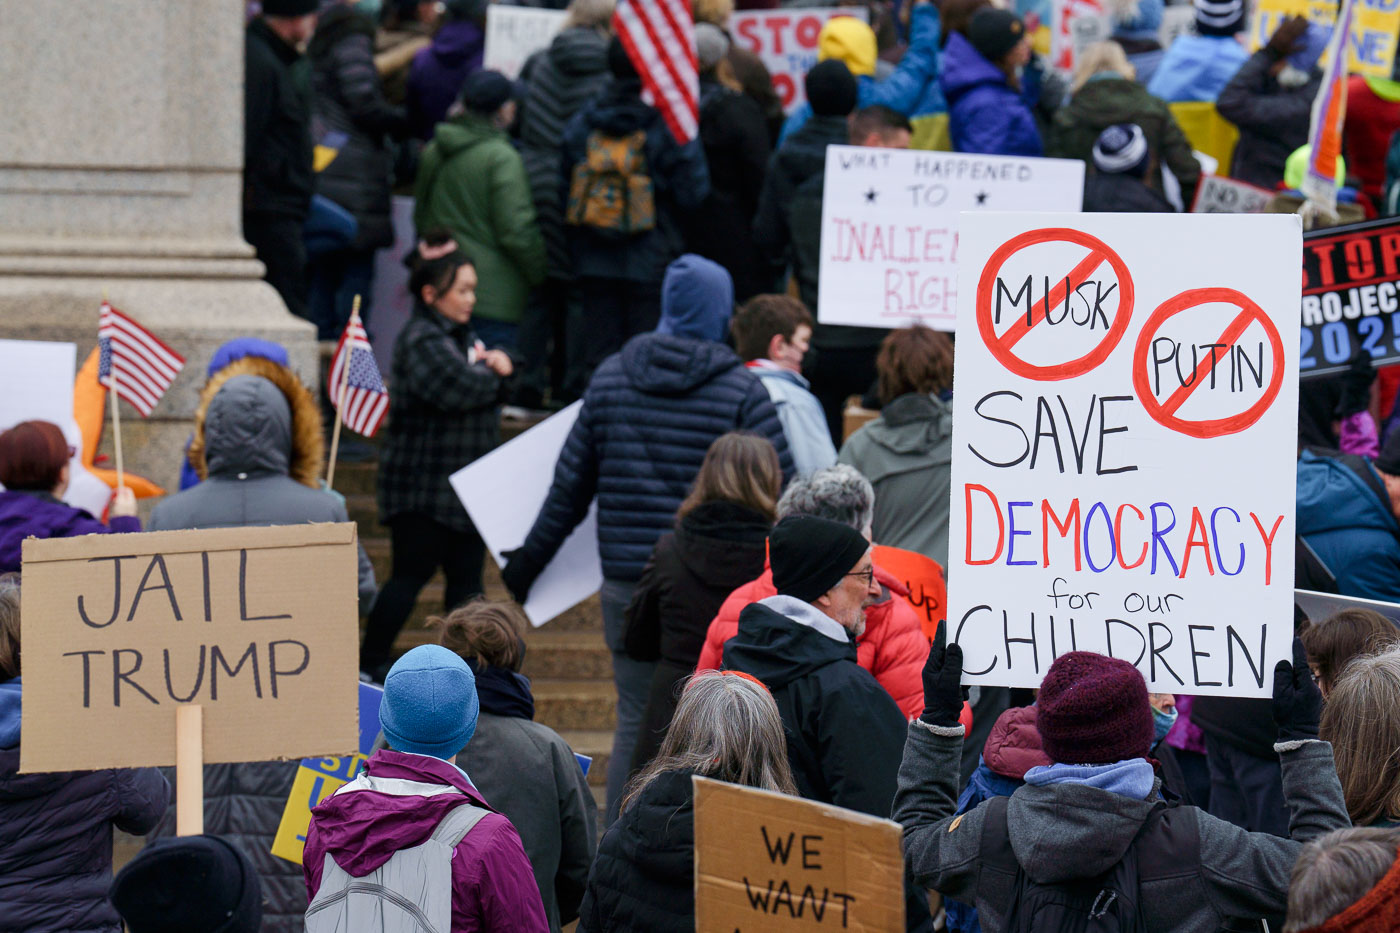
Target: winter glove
x: 1356, y: 386
x: 519, y: 573
x: 943, y: 690
x: 1285, y: 39
x: 1297, y: 701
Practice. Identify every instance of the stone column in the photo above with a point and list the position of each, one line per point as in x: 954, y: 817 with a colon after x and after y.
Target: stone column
x: 121, y: 159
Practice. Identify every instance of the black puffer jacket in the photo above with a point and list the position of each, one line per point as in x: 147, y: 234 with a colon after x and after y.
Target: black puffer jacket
x: 1273, y: 120
x: 644, y: 876
x: 349, y: 98
x: 1114, y: 193
x: 561, y: 80
x: 276, y: 127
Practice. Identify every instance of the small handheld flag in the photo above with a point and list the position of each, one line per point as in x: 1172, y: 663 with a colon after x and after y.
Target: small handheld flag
x: 355, y: 386
x: 133, y: 362
x: 659, y: 36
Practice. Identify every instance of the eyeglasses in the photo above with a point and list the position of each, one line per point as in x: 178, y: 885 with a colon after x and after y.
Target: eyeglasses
x: 868, y: 573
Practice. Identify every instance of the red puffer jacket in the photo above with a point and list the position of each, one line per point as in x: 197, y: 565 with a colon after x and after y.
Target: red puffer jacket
x: 893, y: 648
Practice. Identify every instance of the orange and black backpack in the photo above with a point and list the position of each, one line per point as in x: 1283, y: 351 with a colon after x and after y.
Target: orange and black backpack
x: 610, y: 190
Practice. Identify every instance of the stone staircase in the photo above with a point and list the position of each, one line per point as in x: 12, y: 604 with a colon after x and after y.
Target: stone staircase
x: 566, y: 660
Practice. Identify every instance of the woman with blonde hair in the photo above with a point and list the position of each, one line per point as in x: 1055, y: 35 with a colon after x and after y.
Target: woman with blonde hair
x: 1105, y: 92
x: 523, y: 767
x: 719, y: 543
x: 1362, y: 721
x: 727, y: 727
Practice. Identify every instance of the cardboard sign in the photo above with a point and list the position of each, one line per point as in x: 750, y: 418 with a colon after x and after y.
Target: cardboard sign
x: 1371, y: 45
x: 786, y: 41
x: 1076, y: 25
x: 767, y: 863
x: 259, y: 626
x: 890, y: 226
x: 318, y: 778
x: 1124, y: 435
x: 1351, y: 291
x: 514, y: 33
x: 1217, y: 195
x: 503, y: 492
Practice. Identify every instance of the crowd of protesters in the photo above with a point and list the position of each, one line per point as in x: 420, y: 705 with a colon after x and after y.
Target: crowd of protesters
x: 568, y: 247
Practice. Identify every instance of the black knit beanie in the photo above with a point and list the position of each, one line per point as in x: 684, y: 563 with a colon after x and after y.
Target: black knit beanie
x: 191, y: 883
x: 810, y: 555
x: 831, y: 88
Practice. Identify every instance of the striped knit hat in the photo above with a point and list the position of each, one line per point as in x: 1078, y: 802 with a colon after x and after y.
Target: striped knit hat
x: 1121, y: 149
x: 1219, y: 17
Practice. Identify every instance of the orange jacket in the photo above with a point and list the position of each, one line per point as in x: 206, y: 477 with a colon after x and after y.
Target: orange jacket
x: 893, y: 648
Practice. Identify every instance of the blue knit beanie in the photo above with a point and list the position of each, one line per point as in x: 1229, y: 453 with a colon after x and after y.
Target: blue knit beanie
x: 430, y: 704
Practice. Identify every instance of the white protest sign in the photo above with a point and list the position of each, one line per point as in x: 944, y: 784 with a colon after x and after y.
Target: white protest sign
x: 1216, y: 195
x: 1124, y: 446
x: 514, y: 33
x: 786, y: 42
x: 36, y: 382
x: 1076, y: 25
x: 889, y: 245
x: 503, y: 492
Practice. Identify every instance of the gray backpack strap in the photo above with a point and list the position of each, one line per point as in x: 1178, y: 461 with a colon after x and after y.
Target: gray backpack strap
x: 455, y: 826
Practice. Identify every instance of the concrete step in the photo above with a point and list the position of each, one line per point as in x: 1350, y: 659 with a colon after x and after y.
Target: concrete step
x: 566, y: 705
x: 551, y: 655
x: 364, y: 511
x: 357, y: 478
x: 596, y: 744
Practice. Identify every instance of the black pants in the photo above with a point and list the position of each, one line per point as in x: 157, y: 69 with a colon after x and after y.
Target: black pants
x: 1246, y: 790
x: 615, y: 311
x: 548, y: 345
x: 277, y: 239
x: 836, y: 374
x: 420, y: 546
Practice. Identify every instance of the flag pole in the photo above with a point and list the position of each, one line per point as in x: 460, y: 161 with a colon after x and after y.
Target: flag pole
x: 114, y: 396
x: 340, y: 403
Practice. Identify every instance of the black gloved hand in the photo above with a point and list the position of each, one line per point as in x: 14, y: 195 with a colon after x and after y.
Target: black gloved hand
x: 519, y: 573
x: 1356, y: 385
x: 1287, y: 39
x: 943, y: 690
x: 1297, y: 701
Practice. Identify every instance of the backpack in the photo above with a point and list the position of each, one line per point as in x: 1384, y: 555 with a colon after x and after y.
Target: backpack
x: 377, y: 902
x: 1108, y: 903
x: 610, y: 190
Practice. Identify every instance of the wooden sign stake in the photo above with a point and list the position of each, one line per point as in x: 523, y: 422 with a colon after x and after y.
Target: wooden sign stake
x: 189, y: 770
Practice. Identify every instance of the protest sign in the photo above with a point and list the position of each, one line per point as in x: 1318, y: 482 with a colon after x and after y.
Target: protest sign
x: 767, y: 862
x: 503, y: 492
x: 1076, y: 25
x: 36, y: 382
x: 1371, y: 45
x: 786, y: 42
x: 1124, y: 436
x: 1217, y: 195
x: 1351, y: 290
x: 318, y: 778
x: 514, y: 33
x: 256, y: 625
x: 889, y: 244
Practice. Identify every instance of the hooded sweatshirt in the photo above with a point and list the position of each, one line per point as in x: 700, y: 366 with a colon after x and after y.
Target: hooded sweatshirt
x: 438, y: 72
x: 649, y: 415
x: 1354, y: 533
x: 493, y: 887
x: 472, y: 181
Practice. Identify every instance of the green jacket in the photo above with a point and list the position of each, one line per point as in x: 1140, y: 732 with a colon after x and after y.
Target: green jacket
x: 472, y: 182
x: 1105, y: 101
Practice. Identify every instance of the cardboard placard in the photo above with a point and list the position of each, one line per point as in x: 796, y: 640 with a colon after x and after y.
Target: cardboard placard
x: 259, y: 626
x: 1370, y: 47
x: 1217, y: 195
x: 770, y: 863
x: 503, y: 492
x: 1351, y: 291
x: 1123, y: 465
x: 889, y: 245
x: 514, y: 33
x: 786, y: 41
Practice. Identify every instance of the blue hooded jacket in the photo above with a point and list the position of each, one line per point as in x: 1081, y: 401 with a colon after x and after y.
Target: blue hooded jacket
x: 985, y: 113
x: 697, y: 299
x: 1353, y: 532
x: 1197, y: 68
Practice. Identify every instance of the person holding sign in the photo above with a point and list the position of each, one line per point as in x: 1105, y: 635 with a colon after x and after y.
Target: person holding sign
x: 1096, y: 811
x: 56, y: 829
x: 726, y: 727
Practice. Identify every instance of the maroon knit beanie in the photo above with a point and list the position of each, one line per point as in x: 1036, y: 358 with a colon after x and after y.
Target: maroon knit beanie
x: 1093, y: 710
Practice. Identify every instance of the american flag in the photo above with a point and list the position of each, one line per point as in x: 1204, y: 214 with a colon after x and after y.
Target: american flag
x: 133, y: 360
x: 366, y: 399
x: 660, y: 40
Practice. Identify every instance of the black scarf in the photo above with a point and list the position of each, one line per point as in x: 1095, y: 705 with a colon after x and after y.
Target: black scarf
x: 503, y: 692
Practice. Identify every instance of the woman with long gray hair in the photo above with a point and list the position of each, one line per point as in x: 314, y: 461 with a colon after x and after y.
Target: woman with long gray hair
x: 1361, y: 721
x: 727, y: 727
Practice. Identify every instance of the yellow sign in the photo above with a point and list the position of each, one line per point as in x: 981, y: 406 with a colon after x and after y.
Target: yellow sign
x: 1371, y: 45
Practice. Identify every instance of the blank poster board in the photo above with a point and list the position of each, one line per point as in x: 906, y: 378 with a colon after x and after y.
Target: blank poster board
x: 259, y: 626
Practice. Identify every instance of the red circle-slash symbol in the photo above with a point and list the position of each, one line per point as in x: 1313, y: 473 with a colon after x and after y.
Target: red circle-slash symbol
x: 1164, y: 413
x: 1001, y: 345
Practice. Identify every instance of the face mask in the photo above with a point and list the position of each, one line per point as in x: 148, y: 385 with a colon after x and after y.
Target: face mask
x: 1162, y: 723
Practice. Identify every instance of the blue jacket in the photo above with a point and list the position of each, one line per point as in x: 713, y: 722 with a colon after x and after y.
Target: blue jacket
x: 1353, y: 532
x: 804, y: 422
x: 1197, y: 68
x: 913, y: 87
x: 649, y: 415
x: 985, y: 113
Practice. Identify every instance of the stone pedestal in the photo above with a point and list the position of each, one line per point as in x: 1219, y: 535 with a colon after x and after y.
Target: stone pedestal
x: 121, y: 159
